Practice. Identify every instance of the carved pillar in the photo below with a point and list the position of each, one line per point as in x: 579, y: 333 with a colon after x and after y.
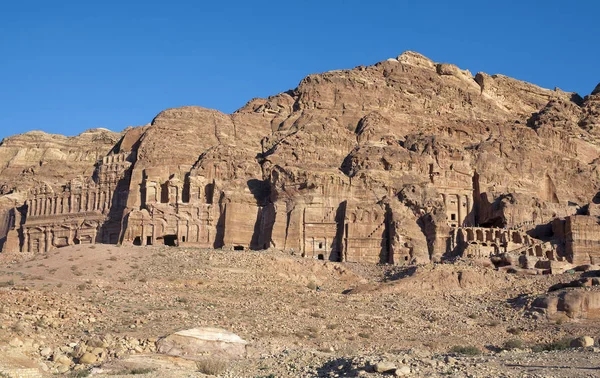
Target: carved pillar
x: 25, y: 247
x: 469, y: 209
x: 459, y: 216
x: 143, y: 237
x: 88, y: 200
x: 48, y: 232
x: 110, y: 196
x: 101, y: 201
x: 83, y: 203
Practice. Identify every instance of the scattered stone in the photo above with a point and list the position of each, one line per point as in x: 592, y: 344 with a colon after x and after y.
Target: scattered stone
x: 402, y: 371
x: 384, y: 367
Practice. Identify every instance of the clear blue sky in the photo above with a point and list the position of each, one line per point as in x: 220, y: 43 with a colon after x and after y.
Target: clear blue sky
x: 67, y: 66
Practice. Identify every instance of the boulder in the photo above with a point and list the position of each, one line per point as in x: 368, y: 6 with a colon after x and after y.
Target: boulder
x: 87, y: 359
x: 198, y: 342
x: 384, y: 367
x: 402, y: 371
x: 566, y: 304
x: 582, y: 342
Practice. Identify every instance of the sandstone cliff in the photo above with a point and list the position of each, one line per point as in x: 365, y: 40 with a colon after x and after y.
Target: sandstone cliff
x: 381, y: 163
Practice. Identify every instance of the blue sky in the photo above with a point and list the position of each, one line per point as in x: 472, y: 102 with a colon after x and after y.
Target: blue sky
x: 67, y: 66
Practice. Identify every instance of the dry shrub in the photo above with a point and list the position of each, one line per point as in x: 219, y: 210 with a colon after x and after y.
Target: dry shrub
x: 212, y: 365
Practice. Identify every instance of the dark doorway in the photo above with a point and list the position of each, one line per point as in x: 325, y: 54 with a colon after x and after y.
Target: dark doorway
x: 321, y: 257
x: 76, y: 241
x: 238, y: 248
x: 137, y: 241
x: 164, y: 193
x: 170, y: 240
x: 148, y: 240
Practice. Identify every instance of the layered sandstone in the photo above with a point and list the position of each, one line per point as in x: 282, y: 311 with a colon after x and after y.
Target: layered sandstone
x: 399, y: 162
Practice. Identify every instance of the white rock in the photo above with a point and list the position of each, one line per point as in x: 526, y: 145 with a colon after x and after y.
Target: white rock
x: 402, y: 371
x: 197, y: 342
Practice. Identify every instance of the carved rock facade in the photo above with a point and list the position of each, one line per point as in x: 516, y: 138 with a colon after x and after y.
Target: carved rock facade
x: 406, y: 161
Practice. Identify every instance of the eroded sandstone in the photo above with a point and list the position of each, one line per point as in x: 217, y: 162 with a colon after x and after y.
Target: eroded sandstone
x: 406, y: 161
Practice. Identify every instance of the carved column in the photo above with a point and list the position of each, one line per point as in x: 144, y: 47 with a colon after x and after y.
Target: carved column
x: 143, y: 237
x: 48, y: 235
x: 459, y: 216
x: 25, y: 247
x: 469, y: 209
x: 110, y: 197
x: 96, y: 199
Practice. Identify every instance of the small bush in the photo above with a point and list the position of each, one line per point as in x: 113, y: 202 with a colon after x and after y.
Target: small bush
x: 472, y: 316
x: 7, y: 283
x: 211, y: 366
x: 493, y: 323
x: 113, y: 258
x: 514, y: 331
x: 312, y: 285
x: 561, y: 344
x: 465, y: 350
x: 513, y: 344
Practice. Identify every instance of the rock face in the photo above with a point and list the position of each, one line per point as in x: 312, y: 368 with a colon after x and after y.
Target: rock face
x: 573, y: 304
x: 199, y: 342
x: 405, y: 161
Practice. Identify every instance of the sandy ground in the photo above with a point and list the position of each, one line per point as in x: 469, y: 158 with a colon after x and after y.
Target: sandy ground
x: 301, y: 317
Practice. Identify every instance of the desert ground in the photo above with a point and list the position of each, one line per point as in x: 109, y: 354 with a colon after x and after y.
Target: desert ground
x: 301, y: 317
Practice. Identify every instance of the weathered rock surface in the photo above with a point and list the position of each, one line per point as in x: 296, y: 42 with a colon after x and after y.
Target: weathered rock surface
x: 406, y: 161
x: 198, y: 342
x: 576, y: 304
